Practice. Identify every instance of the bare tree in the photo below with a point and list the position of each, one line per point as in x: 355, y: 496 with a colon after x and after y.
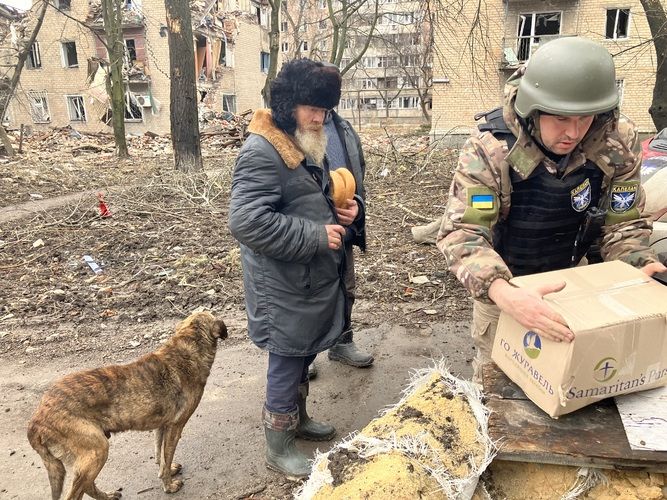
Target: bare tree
x: 657, y: 21
x: 110, y: 35
x: 356, y: 19
x: 112, y: 13
x: 183, y: 89
x: 8, y: 83
x: 274, y: 46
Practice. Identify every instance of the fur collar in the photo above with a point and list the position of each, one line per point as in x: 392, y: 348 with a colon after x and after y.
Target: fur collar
x: 262, y: 124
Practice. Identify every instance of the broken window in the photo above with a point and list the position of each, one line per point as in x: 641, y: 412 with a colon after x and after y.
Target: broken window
x: 620, y: 86
x: 229, y: 103
x: 39, y: 106
x: 133, y: 112
x: 34, y: 60
x: 130, y: 50
x: 70, y: 59
x: 77, y: 112
x: 617, y: 23
x: 535, y: 28
x: 222, y: 60
x: 264, y: 59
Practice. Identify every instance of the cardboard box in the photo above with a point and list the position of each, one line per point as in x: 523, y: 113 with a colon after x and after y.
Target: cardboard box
x: 619, y: 319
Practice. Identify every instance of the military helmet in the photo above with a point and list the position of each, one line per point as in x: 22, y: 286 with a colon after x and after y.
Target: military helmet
x: 568, y: 76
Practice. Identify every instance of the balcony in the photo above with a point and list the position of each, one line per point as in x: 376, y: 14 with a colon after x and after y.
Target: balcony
x: 517, y: 50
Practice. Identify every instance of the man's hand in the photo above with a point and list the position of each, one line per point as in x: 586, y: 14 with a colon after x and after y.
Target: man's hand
x: 335, y: 235
x: 654, y: 267
x: 526, y: 306
x: 347, y: 215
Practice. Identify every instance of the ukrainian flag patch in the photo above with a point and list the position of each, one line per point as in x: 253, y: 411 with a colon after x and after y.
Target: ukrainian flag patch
x: 482, y: 201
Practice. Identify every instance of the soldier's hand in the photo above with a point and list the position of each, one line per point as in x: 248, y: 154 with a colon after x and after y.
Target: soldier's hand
x: 654, y: 267
x: 347, y: 215
x: 335, y: 233
x: 526, y: 306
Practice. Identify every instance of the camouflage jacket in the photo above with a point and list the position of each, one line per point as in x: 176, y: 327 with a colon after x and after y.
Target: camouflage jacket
x: 465, y: 236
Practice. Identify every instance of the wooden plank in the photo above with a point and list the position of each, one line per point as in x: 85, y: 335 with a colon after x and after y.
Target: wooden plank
x: 591, y: 436
x: 644, y: 417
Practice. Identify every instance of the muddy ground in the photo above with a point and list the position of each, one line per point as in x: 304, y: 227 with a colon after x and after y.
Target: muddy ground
x: 165, y: 252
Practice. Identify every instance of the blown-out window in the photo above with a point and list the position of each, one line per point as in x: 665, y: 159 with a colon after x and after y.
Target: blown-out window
x: 618, y: 21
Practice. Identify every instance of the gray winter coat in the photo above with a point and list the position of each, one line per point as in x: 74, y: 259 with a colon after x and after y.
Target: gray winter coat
x: 294, y: 291
x: 356, y: 232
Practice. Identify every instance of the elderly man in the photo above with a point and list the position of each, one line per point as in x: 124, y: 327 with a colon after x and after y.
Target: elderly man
x: 552, y: 167
x: 292, y: 250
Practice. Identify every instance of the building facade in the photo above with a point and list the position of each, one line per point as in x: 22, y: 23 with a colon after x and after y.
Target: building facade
x: 63, y: 82
x: 467, y: 80
x: 390, y: 81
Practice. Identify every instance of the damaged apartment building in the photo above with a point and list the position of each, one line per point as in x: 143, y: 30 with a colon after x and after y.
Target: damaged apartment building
x: 64, y: 80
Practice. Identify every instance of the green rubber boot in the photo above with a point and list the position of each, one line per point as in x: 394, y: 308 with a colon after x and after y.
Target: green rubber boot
x: 282, y: 454
x: 309, y: 428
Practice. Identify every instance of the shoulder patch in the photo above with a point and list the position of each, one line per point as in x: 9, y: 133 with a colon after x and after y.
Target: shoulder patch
x: 481, y: 206
x: 623, y: 196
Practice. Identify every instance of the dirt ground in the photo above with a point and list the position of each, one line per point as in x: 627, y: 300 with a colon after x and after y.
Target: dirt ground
x: 165, y: 252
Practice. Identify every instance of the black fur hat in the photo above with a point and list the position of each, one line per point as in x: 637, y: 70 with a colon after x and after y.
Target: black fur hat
x: 303, y: 81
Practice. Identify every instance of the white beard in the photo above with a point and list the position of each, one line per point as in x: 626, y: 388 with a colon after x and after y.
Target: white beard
x: 313, y: 143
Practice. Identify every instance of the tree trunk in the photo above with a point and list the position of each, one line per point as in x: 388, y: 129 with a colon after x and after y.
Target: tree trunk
x: 657, y: 21
x: 274, y: 45
x: 9, y: 89
x: 183, y: 94
x: 112, y: 14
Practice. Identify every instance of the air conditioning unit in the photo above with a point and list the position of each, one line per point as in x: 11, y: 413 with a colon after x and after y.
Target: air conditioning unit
x: 143, y: 100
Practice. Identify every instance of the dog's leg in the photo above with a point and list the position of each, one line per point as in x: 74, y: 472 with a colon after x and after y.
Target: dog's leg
x: 159, y: 433
x: 91, y: 450
x: 170, y: 439
x: 159, y: 437
x: 53, y: 465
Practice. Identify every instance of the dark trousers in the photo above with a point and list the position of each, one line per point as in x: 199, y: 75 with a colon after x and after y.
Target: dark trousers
x: 350, y: 285
x: 283, y: 377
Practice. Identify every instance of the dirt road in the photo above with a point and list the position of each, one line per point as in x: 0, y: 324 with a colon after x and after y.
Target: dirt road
x: 165, y: 252
x: 222, y: 445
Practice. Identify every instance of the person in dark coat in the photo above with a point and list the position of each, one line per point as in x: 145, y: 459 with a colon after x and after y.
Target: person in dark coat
x: 344, y: 151
x: 292, y: 250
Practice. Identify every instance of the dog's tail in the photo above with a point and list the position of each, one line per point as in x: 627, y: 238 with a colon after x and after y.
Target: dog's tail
x: 54, y: 466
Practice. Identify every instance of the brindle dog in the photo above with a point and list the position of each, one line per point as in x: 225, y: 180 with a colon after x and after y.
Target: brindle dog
x: 160, y: 390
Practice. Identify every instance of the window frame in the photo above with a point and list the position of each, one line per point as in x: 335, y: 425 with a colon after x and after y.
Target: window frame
x: 70, y: 98
x: 224, y: 101
x: 615, y: 28
x: 44, y: 97
x: 128, y: 109
x: 64, y: 54
x: 262, y: 56
x: 532, y: 36
x: 35, y: 56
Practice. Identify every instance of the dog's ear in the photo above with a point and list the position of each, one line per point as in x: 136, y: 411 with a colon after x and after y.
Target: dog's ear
x: 221, y: 329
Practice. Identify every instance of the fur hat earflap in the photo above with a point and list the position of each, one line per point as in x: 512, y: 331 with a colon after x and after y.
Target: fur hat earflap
x: 303, y: 81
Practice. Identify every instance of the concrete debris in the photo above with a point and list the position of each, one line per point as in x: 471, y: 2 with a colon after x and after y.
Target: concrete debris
x: 217, y: 130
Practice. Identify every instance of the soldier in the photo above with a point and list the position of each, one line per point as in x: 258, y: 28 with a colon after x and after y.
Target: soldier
x: 553, y: 164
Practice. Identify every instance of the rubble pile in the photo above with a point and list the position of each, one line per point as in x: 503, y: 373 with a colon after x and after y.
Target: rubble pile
x: 217, y: 130
x: 224, y: 129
